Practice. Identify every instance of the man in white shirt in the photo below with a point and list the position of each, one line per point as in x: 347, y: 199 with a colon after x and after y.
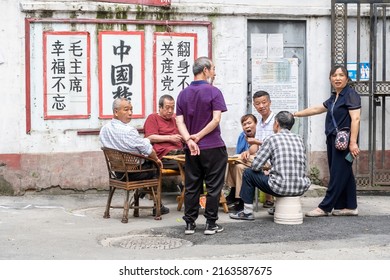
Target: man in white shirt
x: 119, y: 135
x: 264, y: 128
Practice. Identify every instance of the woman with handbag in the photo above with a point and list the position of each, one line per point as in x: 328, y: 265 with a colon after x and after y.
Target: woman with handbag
x: 342, y: 114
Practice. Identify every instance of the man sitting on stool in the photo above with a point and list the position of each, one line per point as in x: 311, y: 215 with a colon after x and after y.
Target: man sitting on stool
x: 287, y: 176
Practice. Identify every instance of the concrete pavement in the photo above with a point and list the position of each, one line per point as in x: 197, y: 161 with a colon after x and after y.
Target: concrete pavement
x: 61, y: 227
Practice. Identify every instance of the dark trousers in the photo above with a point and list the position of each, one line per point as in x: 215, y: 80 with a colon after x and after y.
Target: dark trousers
x: 341, y: 192
x: 208, y: 167
x: 251, y: 180
x: 139, y: 176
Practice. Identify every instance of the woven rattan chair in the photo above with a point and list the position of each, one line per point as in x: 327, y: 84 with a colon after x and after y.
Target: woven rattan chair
x: 120, y: 165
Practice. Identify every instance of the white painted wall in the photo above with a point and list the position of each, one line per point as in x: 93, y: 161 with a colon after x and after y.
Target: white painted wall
x: 229, y: 20
x: 12, y: 121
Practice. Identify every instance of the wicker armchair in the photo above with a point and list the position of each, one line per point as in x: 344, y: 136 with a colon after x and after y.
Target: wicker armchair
x: 120, y: 165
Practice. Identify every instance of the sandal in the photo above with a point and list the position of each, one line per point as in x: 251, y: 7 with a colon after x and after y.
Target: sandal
x: 345, y: 212
x: 316, y: 213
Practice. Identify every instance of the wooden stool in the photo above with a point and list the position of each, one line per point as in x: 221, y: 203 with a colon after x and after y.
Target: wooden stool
x: 288, y: 210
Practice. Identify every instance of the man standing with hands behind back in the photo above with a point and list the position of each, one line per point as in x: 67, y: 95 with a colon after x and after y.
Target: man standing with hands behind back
x: 199, y: 110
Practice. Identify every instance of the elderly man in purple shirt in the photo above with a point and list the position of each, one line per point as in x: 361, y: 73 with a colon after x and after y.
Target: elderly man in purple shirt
x: 198, y: 110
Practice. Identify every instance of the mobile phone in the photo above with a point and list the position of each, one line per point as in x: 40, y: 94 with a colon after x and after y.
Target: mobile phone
x: 349, y: 157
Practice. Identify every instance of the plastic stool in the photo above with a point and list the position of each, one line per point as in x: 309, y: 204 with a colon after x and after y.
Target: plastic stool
x: 288, y: 210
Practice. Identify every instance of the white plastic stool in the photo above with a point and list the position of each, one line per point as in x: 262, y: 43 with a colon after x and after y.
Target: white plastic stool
x: 288, y: 210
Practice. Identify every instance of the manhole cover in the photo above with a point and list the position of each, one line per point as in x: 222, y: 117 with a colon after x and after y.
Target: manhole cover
x: 140, y: 242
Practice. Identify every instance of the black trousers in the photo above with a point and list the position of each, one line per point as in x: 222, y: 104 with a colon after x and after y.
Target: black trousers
x: 140, y: 176
x: 208, y: 167
x: 341, y: 192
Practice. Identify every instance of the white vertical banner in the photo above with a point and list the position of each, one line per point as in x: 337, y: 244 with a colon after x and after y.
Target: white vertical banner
x: 121, y: 70
x: 173, y: 58
x: 66, y: 68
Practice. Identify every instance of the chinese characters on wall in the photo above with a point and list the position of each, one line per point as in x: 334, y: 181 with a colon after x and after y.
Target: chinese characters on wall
x: 174, y: 54
x: 66, y: 75
x: 121, y: 70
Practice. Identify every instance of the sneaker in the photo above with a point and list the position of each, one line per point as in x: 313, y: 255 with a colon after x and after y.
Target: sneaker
x: 163, y: 210
x: 242, y: 216
x: 190, y: 228
x: 345, y: 212
x: 212, y: 229
x: 268, y: 204
x: 271, y: 211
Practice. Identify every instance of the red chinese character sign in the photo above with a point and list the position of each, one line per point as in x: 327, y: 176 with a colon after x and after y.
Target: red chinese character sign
x: 121, y: 70
x: 66, y: 66
x: 173, y: 58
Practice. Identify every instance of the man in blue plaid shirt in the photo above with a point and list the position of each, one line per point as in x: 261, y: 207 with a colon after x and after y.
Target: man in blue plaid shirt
x: 287, y: 174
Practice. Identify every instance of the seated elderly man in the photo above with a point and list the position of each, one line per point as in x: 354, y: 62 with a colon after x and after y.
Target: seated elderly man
x: 235, y: 170
x: 287, y: 176
x: 161, y: 129
x: 119, y: 135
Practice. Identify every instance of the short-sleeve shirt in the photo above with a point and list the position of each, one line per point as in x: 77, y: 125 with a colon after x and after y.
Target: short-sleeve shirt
x: 348, y: 100
x: 242, y: 144
x: 157, y: 125
x: 196, y: 103
x: 265, y: 129
x: 123, y: 137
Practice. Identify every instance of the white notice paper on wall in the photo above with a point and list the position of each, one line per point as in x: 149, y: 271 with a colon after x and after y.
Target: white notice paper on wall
x: 279, y: 77
x: 258, y: 45
x: 275, y: 45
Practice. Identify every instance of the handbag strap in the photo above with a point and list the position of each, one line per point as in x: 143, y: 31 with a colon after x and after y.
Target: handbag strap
x: 331, y: 113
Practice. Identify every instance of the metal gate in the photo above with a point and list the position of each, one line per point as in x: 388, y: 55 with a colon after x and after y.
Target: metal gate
x: 360, y: 38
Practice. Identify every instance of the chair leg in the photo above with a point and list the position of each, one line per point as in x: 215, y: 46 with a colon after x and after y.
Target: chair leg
x: 257, y: 199
x: 136, y: 204
x: 126, y: 206
x: 157, y: 203
x: 108, y: 206
x: 180, y: 199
